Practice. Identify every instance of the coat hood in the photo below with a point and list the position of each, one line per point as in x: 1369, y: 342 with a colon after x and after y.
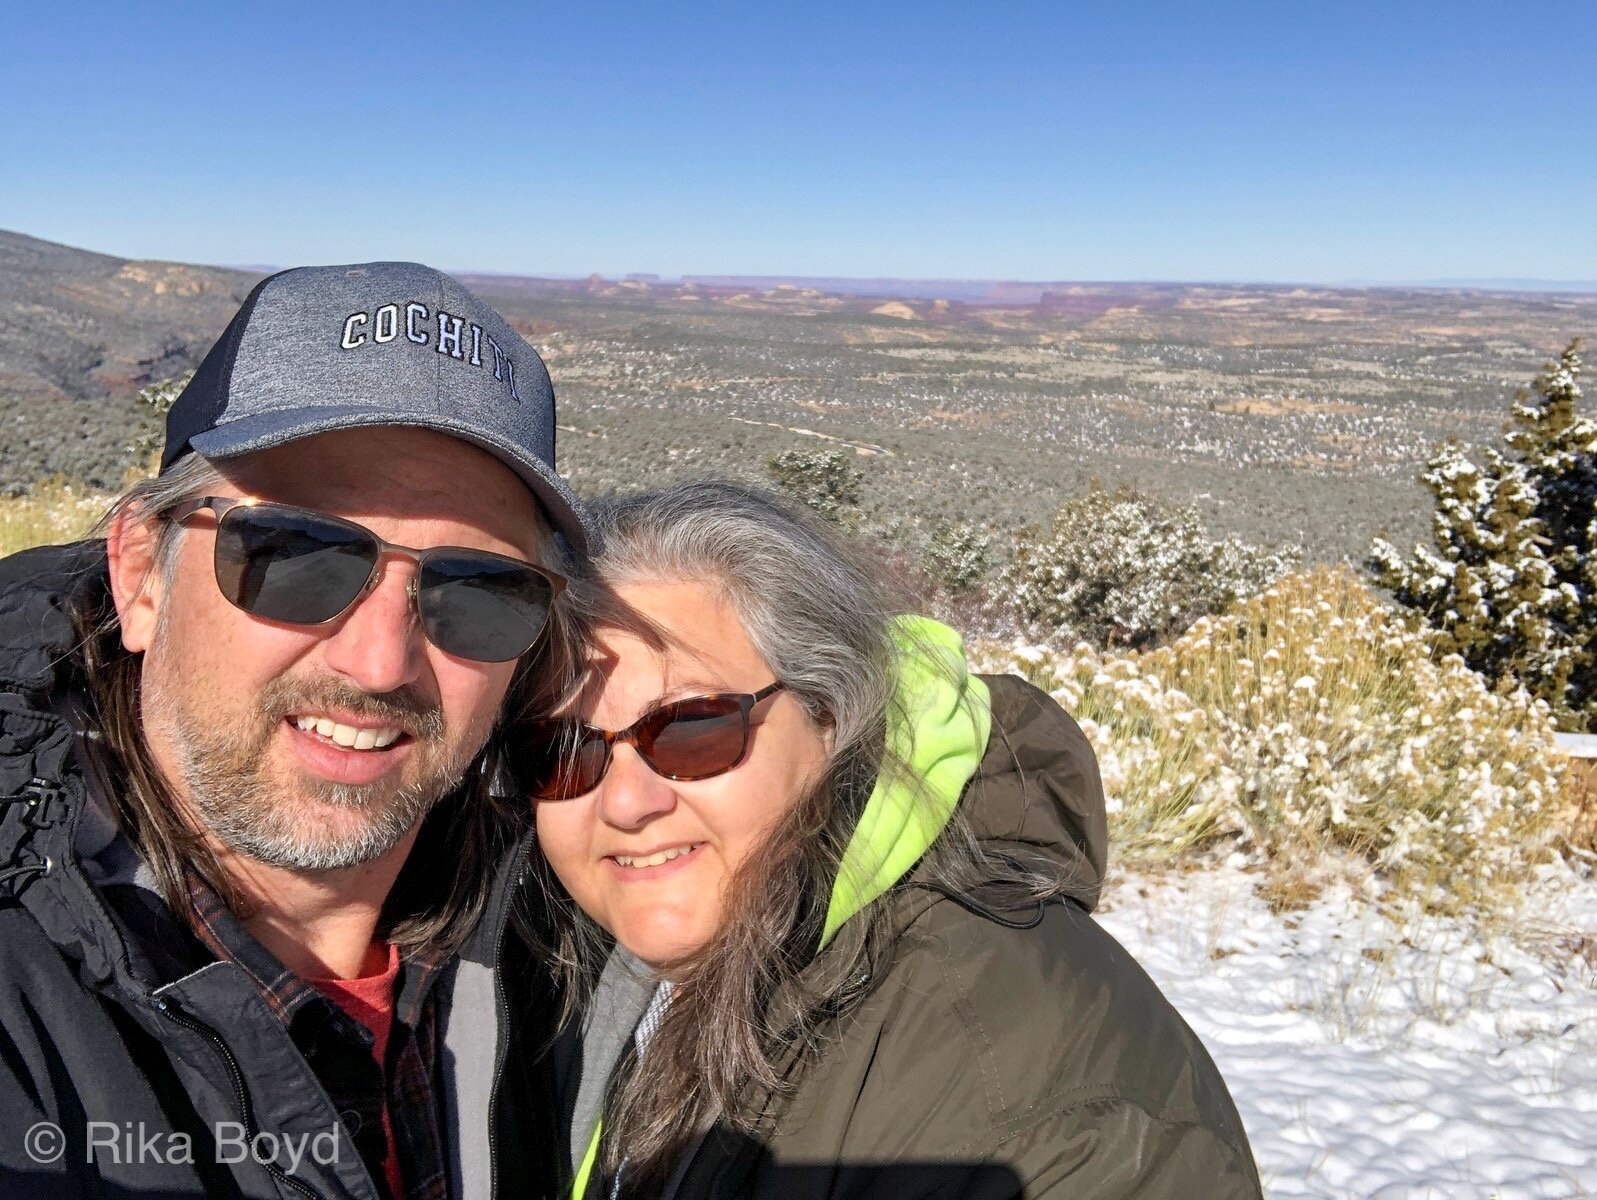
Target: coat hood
x: 1037, y: 797
x: 1006, y: 755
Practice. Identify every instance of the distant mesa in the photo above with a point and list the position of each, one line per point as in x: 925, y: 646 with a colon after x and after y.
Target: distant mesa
x: 894, y: 308
x: 80, y: 333
x: 792, y: 291
x: 84, y: 327
x: 1078, y: 300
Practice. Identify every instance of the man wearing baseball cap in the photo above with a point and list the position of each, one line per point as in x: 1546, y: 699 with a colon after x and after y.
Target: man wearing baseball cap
x: 253, y: 874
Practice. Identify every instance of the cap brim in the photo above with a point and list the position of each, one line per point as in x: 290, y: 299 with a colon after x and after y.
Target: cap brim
x: 265, y: 430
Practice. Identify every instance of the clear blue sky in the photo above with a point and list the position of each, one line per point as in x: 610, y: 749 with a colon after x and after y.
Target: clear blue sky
x: 1049, y: 140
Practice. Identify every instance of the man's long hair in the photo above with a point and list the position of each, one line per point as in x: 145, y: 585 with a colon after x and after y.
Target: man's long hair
x: 446, y: 882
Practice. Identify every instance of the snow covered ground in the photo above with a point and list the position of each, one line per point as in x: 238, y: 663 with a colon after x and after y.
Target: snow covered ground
x: 1379, y: 1059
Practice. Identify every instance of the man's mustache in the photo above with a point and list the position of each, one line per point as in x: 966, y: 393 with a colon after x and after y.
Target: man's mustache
x: 407, y: 707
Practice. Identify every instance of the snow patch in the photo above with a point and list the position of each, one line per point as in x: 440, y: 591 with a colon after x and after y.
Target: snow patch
x: 1383, y: 1055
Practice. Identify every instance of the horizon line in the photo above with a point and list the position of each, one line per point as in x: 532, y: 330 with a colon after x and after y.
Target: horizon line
x: 1496, y: 283
x: 1489, y: 283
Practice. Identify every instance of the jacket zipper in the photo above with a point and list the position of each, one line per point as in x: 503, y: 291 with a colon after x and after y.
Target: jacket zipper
x: 240, y: 1092
x: 502, y: 1052
x: 493, y: 1099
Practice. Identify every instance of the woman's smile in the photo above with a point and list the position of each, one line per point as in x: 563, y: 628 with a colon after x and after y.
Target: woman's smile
x: 642, y: 865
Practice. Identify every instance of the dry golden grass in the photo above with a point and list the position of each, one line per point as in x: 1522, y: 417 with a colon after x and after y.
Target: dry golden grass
x: 52, y: 511
x: 1580, y: 813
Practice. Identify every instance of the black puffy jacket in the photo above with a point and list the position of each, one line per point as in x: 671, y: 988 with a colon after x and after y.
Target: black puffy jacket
x: 131, y: 1063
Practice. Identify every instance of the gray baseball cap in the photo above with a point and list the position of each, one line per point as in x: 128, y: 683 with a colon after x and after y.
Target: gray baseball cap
x: 315, y: 349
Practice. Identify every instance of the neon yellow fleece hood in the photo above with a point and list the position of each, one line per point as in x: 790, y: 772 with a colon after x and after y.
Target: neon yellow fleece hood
x: 942, y: 718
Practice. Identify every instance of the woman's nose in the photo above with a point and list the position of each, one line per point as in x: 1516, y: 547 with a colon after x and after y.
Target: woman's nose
x: 631, y: 793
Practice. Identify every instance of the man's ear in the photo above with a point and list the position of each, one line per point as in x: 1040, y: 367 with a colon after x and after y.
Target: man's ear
x: 135, y: 582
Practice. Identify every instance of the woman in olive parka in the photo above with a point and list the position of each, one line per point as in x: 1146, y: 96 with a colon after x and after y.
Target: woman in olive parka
x: 819, y: 901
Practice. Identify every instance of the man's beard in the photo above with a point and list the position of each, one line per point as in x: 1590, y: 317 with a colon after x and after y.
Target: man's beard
x: 284, y: 821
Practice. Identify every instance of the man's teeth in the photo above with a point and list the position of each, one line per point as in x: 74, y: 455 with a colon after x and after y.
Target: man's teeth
x: 654, y: 860
x: 347, y: 735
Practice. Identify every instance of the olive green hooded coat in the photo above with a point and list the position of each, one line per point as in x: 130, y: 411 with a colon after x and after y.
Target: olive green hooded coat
x: 1006, y: 1048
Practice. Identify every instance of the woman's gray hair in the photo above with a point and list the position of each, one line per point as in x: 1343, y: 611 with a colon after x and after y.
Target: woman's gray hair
x: 816, y: 615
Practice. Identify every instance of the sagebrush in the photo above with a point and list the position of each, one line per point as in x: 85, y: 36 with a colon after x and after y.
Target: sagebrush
x: 152, y: 404
x: 826, y: 481
x: 958, y: 557
x: 1313, y: 721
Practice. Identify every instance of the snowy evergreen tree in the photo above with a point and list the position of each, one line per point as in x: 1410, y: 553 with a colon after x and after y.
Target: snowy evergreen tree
x: 1511, y: 583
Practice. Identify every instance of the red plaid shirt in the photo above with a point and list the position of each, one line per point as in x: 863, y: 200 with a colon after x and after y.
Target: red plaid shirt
x: 339, y: 1051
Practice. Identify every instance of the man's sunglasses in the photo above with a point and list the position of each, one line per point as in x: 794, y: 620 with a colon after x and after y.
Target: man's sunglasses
x: 307, y: 568
x: 692, y: 738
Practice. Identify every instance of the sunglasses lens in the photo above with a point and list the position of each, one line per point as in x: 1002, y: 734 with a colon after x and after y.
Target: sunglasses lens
x: 563, y: 763
x: 288, y: 565
x: 696, y: 738
x: 481, y: 606
x: 691, y: 739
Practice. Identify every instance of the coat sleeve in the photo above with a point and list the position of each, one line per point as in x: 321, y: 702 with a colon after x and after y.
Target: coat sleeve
x: 39, y: 1160
x: 1114, y: 1150
x: 1035, y: 1062
x: 1110, y: 1150
x: 42, y: 1144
